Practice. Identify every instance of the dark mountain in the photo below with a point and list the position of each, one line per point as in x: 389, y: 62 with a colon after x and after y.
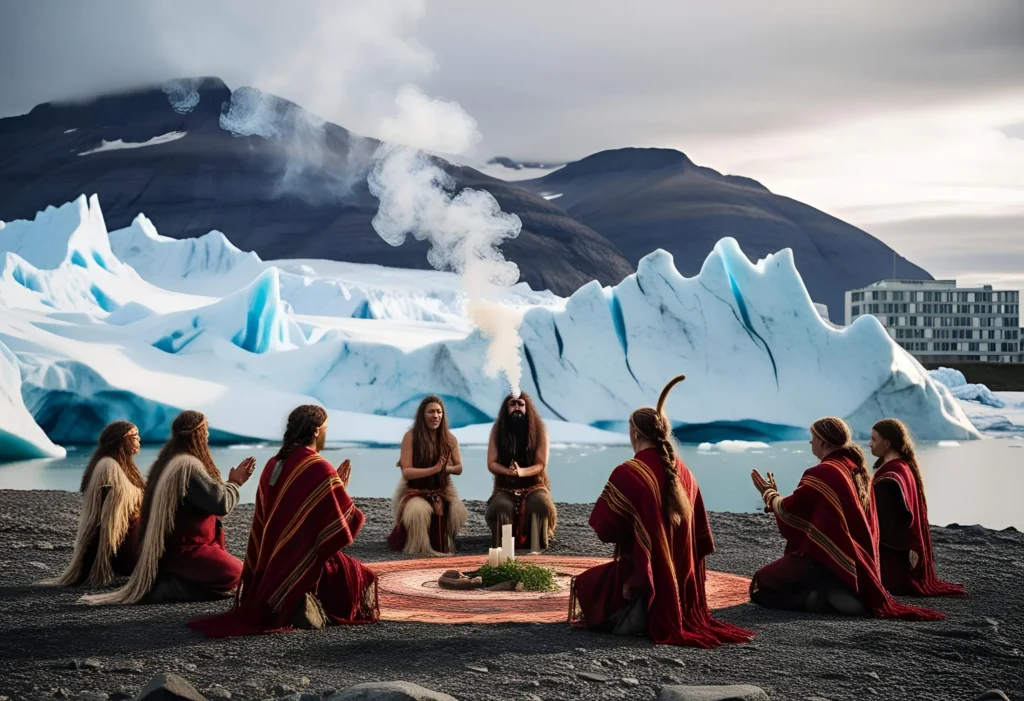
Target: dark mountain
x: 272, y: 177
x: 643, y: 199
x: 279, y: 181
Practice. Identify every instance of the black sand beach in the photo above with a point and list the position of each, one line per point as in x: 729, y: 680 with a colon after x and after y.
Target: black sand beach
x: 51, y: 647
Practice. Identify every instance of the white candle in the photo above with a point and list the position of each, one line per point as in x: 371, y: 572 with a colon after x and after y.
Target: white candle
x: 500, y: 555
x: 507, y: 544
x: 493, y: 555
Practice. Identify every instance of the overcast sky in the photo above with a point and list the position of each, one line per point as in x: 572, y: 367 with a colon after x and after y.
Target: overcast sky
x: 905, y: 118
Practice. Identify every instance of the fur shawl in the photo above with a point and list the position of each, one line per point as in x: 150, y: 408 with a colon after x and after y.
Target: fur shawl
x: 109, y: 505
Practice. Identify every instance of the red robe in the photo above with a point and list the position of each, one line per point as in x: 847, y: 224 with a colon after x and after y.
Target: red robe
x: 824, y: 520
x: 903, y: 522
x: 299, y: 527
x: 662, y: 563
x: 196, y: 553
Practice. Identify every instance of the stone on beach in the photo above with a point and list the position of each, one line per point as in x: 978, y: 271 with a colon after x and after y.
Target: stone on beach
x: 737, y: 692
x: 389, y: 691
x: 169, y: 687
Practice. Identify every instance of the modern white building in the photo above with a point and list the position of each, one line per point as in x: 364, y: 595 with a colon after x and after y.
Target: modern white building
x: 938, y: 322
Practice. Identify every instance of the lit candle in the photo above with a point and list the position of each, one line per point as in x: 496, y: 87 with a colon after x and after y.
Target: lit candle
x: 493, y: 556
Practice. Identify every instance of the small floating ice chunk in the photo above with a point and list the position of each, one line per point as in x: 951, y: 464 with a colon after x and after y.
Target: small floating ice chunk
x: 733, y: 446
x: 949, y: 444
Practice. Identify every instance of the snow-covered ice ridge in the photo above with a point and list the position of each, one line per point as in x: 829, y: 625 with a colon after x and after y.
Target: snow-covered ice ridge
x: 131, y: 324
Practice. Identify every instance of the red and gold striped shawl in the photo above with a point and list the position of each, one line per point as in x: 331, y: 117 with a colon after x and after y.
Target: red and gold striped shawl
x: 299, y: 522
x: 922, y: 578
x: 824, y: 519
x: 630, y: 514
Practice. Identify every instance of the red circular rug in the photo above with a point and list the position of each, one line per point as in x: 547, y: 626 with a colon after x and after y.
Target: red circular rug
x: 408, y: 591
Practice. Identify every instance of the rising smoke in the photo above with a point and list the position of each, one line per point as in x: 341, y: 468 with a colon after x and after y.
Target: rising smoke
x: 464, y: 228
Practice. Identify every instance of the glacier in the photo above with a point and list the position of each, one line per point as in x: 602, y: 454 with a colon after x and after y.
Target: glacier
x: 98, y: 325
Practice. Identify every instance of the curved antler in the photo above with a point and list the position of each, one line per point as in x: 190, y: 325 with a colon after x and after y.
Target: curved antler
x: 668, y: 388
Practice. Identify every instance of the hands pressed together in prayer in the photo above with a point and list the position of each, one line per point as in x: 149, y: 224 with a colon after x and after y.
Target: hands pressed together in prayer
x: 241, y: 473
x: 768, y: 489
x: 345, y: 472
x: 513, y: 469
x: 442, y: 464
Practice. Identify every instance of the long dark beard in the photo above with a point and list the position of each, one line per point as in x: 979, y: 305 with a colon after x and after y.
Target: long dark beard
x: 517, y: 439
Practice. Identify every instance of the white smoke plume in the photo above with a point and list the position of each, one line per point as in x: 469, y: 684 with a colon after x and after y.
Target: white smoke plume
x: 465, y: 229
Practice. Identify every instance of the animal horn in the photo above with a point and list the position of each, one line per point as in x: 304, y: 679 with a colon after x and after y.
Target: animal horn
x: 668, y: 388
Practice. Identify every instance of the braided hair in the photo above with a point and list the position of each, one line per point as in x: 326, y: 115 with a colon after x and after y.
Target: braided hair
x: 113, y: 443
x: 301, y: 429
x: 652, y: 425
x: 894, y: 431
x: 835, y: 433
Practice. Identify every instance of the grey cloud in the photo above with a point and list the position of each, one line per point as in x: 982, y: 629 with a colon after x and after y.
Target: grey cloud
x: 960, y: 244
x: 1014, y: 131
x: 543, y: 80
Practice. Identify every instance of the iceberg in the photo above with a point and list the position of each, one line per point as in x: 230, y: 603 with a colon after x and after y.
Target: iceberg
x: 209, y: 264
x: 960, y: 388
x: 21, y: 438
x: 153, y: 325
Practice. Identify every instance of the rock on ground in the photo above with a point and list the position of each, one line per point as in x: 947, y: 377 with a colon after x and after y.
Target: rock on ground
x: 169, y: 687
x: 737, y: 692
x: 389, y: 691
x: 45, y: 635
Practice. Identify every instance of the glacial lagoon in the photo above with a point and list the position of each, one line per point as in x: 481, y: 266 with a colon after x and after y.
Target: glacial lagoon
x: 972, y: 482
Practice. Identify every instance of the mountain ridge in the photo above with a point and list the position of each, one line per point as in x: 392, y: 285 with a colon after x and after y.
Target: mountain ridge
x: 195, y: 156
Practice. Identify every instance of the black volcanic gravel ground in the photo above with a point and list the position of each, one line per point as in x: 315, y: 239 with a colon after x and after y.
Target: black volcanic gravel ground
x: 45, y: 636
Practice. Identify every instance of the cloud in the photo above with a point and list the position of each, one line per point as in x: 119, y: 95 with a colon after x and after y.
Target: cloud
x: 543, y: 80
x: 1014, y: 131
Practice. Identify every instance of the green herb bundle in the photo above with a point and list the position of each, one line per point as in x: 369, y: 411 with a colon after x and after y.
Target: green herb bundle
x: 533, y: 577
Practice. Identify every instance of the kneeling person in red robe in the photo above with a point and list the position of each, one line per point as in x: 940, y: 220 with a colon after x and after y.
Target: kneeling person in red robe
x: 183, y: 556
x: 295, y: 574
x: 831, y: 529
x: 652, y: 510
x: 905, y: 543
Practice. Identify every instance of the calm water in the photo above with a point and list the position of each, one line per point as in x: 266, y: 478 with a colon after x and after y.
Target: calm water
x: 973, y: 482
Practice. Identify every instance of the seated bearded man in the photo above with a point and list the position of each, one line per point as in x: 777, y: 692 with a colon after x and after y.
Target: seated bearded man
x: 427, y: 508
x: 652, y: 510
x: 295, y: 573
x: 183, y: 556
x: 108, y: 528
x: 517, y: 456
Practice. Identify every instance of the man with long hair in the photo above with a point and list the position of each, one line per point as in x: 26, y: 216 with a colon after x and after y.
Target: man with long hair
x: 295, y: 573
x: 830, y: 524
x: 652, y: 510
x: 427, y: 508
x: 108, y: 527
x: 905, y: 543
x: 183, y: 556
x: 517, y: 456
